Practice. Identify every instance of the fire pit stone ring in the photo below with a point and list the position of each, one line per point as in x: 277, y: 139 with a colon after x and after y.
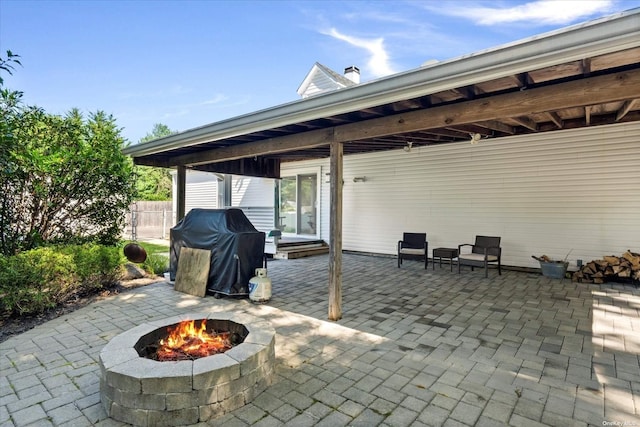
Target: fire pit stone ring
x: 145, y: 392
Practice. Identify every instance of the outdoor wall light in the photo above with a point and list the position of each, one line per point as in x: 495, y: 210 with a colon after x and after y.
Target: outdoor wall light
x: 407, y: 147
x: 475, y: 138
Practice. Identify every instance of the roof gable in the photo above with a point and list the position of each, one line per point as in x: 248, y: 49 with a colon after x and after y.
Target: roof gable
x: 322, y: 79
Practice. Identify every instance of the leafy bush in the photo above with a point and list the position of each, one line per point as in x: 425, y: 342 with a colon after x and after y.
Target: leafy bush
x: 156, y: 264
x: 63, y: 178
x: 96, y: 264
x: 33, y: 281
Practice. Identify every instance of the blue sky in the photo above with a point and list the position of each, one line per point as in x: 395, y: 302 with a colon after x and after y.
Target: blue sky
x: 190, y: 63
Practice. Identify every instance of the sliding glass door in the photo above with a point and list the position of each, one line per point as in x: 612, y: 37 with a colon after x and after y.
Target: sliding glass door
x: 299, y: 204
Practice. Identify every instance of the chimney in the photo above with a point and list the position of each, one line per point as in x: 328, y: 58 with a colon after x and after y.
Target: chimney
x: 353, y: 74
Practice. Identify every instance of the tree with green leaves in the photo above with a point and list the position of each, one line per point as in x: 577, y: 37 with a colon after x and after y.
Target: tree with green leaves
x: 8, y: 64
x: 10, y: 104
x: 159, y: 131
x: 63, y: 178
x: 154, y: 183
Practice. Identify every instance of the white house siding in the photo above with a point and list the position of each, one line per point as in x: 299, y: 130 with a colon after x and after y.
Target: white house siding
x: 247, y: 191
x: 320, y: 84
x: 201, y: 191
x: 548, y: 193
x: 255, y: 196
x: 201, y: 195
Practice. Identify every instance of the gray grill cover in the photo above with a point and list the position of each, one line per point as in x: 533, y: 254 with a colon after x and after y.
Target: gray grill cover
x: 237, y: 248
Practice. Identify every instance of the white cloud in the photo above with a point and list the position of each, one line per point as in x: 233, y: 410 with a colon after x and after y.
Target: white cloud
x: 378, y: 62
x: 539, y: 12
x: 217, y: 99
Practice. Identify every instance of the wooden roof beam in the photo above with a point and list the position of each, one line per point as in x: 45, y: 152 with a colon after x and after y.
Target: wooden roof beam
x: 521, y: 80
x: 374, y: 111
x: 425, y: 101
x: 577, y: 93
x: 526, y: 122
x: 301, y: 141
x: 424, y: 137
x: 497, y: 126
x: 463, y: 131
x: 555, y: 118
x: 596, y: 120
x: 585, y: 67
x: 626, y: 107
x: 459, y: 131
x: 466, y: 92
x: 411, y: 104
x: 446, y: 132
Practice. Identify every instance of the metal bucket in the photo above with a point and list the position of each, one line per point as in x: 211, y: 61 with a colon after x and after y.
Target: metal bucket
x: 554, y: 270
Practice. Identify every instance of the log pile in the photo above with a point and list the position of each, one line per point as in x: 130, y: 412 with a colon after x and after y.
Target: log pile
x: 610, y: 268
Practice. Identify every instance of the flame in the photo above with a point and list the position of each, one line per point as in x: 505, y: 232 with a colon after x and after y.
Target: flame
x: 189, y: 341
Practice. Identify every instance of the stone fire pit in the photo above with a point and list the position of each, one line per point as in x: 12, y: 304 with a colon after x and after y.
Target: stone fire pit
x: 145, y: 392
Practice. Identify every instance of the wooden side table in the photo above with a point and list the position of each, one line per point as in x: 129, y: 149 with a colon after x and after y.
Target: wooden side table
x: 448, y: 253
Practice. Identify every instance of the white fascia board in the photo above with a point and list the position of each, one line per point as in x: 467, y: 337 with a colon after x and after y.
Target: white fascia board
x: 606, y: 35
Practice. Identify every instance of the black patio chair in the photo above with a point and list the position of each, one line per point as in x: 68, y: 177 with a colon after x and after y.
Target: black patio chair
x: 485, y: 251
x: 413, y: 246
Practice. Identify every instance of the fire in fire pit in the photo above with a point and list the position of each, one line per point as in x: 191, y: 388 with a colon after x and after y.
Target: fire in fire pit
x: 190, y: 340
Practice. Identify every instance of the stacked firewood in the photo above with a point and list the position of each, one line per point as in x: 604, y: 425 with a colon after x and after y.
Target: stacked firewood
x: 610, y: 268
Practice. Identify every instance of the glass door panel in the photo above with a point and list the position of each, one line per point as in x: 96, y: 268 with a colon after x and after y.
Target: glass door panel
x: 298, y: 204
x: 307, y: 204
x: 288, y: 204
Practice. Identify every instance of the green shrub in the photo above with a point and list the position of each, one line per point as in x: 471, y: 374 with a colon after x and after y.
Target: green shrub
x: 156, y: 264
x: 95, y: 265
x: 33, y: 281
x: 17, y: 292
x: 36, y: 280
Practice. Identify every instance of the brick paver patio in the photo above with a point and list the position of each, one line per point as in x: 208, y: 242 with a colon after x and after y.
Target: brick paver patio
x: 415, y: 347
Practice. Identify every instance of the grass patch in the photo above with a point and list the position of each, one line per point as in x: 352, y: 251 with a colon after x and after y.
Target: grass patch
x: 151, y: 248
x: 157, y: 261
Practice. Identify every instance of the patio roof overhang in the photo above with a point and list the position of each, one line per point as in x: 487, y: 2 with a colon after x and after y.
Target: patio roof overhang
x: 586, y: 75
x: 581, y: 76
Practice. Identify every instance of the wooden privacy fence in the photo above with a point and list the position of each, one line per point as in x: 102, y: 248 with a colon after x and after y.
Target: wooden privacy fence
x: 149, y: 220
x: 153, y: 220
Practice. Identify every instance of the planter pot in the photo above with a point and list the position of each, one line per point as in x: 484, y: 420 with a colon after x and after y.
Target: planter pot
x: 554, y: 270
x: 135, y: 253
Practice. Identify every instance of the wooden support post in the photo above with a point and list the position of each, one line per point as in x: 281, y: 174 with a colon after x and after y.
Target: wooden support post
x: 335, y: 231
x: 181, y: 184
